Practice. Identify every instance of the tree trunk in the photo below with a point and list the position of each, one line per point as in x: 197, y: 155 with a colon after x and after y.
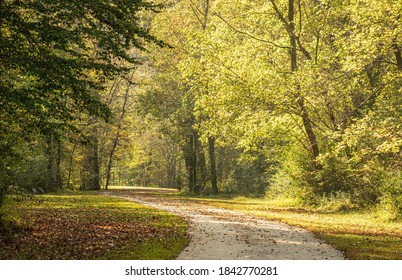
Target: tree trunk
x: 58, y: 165
x: 211, y: 149
x: 190, y: 159
x: 296, y: 44
x: 398, y: 55
x: 309, y: 129
x: 292, y: 37
x: 70, y: 167
x: 315, y: 151
x: 110, y: 162
x: 171, y: 172
x: 95, y: 164
x: 196, y: 188
x: 50, y: 186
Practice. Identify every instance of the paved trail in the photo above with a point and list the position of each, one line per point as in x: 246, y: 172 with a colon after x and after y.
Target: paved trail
x: 218, y: 234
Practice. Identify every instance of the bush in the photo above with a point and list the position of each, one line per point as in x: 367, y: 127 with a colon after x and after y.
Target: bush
x: 336, y: 201
x: 283, y: 187
x: 249, y: 177
x: 391, y: 195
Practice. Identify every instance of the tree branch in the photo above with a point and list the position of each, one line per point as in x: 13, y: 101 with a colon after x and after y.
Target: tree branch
x: 250, y: 35
x: 290, y: 30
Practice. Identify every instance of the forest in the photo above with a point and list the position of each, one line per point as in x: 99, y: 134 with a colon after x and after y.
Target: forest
x: 296, y: 100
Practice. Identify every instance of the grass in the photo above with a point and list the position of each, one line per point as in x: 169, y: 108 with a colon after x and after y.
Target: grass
x: 362, y: 234
x: 87, y: 226
x: 90, y: 226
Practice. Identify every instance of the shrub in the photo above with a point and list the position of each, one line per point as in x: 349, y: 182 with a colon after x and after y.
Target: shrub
x: 391, y: 195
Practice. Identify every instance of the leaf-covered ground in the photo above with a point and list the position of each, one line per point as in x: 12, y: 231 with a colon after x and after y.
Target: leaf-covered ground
x: 88, y: 226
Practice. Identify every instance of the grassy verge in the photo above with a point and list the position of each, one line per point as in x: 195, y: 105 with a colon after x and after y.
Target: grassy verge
x: 87, y: 226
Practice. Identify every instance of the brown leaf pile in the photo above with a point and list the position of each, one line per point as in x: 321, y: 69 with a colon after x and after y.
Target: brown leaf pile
x: 78, y: 233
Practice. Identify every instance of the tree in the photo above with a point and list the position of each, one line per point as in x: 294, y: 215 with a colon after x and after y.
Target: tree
x: 296, y: 81
x: 171, y: 99
x: 119, y: 128
x: 55, y: 57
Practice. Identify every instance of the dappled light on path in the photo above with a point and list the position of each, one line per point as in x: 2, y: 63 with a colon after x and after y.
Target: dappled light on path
x: 226, y: 234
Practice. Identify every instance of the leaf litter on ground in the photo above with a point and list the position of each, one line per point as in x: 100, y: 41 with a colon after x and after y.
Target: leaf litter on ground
x: 85, y: 227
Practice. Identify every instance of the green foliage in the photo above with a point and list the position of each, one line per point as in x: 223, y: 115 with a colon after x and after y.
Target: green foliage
x: 61, y: 52
x: 56, y: 59
x: 391, y: 195
x: 315, y: 100
x: 248, y: 175
x: 283, y: 187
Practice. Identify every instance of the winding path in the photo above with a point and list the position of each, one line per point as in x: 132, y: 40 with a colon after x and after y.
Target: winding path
x: 218, y: 234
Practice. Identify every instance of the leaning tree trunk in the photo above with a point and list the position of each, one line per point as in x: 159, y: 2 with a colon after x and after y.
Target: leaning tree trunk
x: 118, y: 132
x: 294, y: 42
